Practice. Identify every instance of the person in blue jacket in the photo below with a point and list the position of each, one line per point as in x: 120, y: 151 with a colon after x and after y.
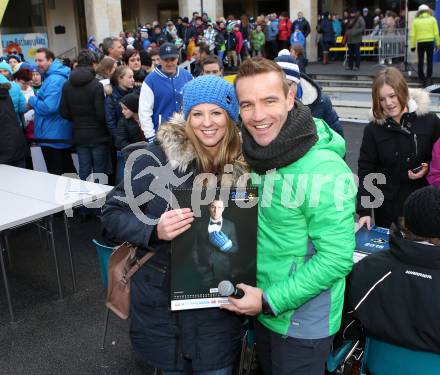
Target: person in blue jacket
x: 17, y: 97
x: 161, y: 92
x: 48, y: 121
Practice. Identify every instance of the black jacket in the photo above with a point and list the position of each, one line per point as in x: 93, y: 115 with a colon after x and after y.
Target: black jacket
x: 392, y: 149
x: 13, y: 146
x: 82, y: 102
x: 214, y: 264
x: 401, y: 288
x: 210, y: 337
x: 128, y: 132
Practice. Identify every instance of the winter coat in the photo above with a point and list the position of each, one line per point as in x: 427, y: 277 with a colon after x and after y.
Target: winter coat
x: 161, y: 96
x: 392, y: 149
x: 354, y: 30
x: 113, y: 111
x: 303, y: 24
x: 401, y: 288
x: 48, y: 121
x: 13, y: 146
x: 297, y: 37
x: 257, y: 40
x: 160, y: 337
x: 305, y: 249
x: 128, y: 132
x: 189, y: 33
x: 424, y: 29
x: 272, y: 31
x: 239, y: 39
x: 83, y: 103
x: 19, y: 101
x: 284, y: 28
x: 326, y: 30
x: 319, y: 103
x: 337, y: 27
x: 434, y: 168
x: 231, y: 41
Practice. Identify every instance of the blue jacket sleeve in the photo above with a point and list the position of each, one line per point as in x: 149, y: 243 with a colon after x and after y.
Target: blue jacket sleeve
x: 330, y: 116
x: 110, y: 115
x: 119, y: 221
x: 48, y: 102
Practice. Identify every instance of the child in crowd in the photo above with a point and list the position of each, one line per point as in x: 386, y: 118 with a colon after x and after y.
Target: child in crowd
x: 297, y: 37
x: 257, y: 41
x: 297, y: 52
x: 128, y: 130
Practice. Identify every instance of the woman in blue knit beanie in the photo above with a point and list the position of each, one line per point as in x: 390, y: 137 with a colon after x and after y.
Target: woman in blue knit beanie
x: 203, y: 138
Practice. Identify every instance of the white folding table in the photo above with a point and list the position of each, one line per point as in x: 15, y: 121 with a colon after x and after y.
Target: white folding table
x: 27, y: 196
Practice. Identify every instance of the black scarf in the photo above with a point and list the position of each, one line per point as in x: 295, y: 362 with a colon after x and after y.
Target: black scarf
x: 296, y: 137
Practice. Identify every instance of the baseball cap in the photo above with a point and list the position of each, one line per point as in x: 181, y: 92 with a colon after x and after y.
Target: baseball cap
x: 168, y: 51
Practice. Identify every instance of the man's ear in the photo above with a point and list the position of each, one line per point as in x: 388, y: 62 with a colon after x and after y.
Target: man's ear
x: 290, y: 98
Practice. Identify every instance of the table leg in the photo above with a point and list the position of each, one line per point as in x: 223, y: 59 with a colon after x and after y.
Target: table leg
x: 8, y: 249
x: 69, y: 250
x: 5, y: 280
x: 52, y: 246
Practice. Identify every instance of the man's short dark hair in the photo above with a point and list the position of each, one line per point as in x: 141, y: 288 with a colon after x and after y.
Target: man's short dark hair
x: 212, y: 59
x: 47, y: 52
x: 108, y: 43
x: 86, y: 58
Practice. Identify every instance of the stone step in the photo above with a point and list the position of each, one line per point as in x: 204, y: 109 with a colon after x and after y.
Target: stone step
x: 354, y: 83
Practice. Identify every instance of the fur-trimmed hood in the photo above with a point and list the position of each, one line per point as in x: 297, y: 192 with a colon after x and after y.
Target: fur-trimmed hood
x: 419, y: 102
x: 179, y: 150
x: 311, y: 91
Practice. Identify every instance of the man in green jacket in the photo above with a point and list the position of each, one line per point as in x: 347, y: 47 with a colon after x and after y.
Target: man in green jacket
x: 305, y: 223
x: 424, y: 32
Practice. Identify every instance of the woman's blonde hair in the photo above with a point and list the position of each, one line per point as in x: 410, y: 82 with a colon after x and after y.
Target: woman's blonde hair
x: 105, y: 66
x: 229, y: 151
x: 394, y: 78
x: 119, y: 72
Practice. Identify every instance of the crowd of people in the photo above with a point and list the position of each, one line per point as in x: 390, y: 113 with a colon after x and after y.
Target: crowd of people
x: 130, y: 92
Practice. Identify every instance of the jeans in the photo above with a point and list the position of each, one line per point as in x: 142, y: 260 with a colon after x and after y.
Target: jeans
x: 92, y: 157
x: 354, y: 55
x: 282, y: 355
x: 188, y: 371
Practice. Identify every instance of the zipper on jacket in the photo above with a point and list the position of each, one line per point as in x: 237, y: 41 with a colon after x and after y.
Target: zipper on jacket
x: 416, y: 144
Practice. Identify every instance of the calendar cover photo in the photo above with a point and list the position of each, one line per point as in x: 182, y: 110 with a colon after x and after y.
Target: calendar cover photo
x: 220, y: 245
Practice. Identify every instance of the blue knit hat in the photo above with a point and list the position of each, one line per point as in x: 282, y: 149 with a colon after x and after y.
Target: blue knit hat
x: 3, y: 79
x: 5, y: 66
x: 289, y: 66
x: 210, y: 89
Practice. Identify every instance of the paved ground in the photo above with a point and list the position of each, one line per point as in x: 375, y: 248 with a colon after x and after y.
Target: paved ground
x: 63, y: 337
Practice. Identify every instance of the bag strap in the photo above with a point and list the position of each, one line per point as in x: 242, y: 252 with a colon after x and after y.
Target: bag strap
x: 139, y: 263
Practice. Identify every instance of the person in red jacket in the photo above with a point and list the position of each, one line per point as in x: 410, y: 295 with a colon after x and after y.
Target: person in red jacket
x: 284, y: 27
x: 239, y: 45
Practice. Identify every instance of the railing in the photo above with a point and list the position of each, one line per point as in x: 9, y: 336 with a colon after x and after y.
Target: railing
x: 385, y: 44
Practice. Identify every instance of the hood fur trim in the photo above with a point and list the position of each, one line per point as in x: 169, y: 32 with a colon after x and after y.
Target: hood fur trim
x: 310, y: 91
x: 419, y: 102
x: 179, y: 150
x: 176, y: 145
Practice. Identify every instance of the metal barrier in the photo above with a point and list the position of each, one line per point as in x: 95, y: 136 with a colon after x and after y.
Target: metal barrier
x: 392, y: 45
x: 383, y: 44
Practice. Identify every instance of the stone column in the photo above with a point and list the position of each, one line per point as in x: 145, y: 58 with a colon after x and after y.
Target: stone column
x: 310, y: 11
x: 103, y: 18
x: 214, y: 8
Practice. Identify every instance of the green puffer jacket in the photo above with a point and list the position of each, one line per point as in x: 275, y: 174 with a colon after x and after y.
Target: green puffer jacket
x: 306, y: 239
x: 257, y: 40
x: 424, y: 29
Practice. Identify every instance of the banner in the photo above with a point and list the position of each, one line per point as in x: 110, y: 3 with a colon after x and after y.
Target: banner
x: 26, y: 44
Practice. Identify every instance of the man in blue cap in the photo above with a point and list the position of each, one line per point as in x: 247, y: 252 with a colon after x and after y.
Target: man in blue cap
x: 161, y: 92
